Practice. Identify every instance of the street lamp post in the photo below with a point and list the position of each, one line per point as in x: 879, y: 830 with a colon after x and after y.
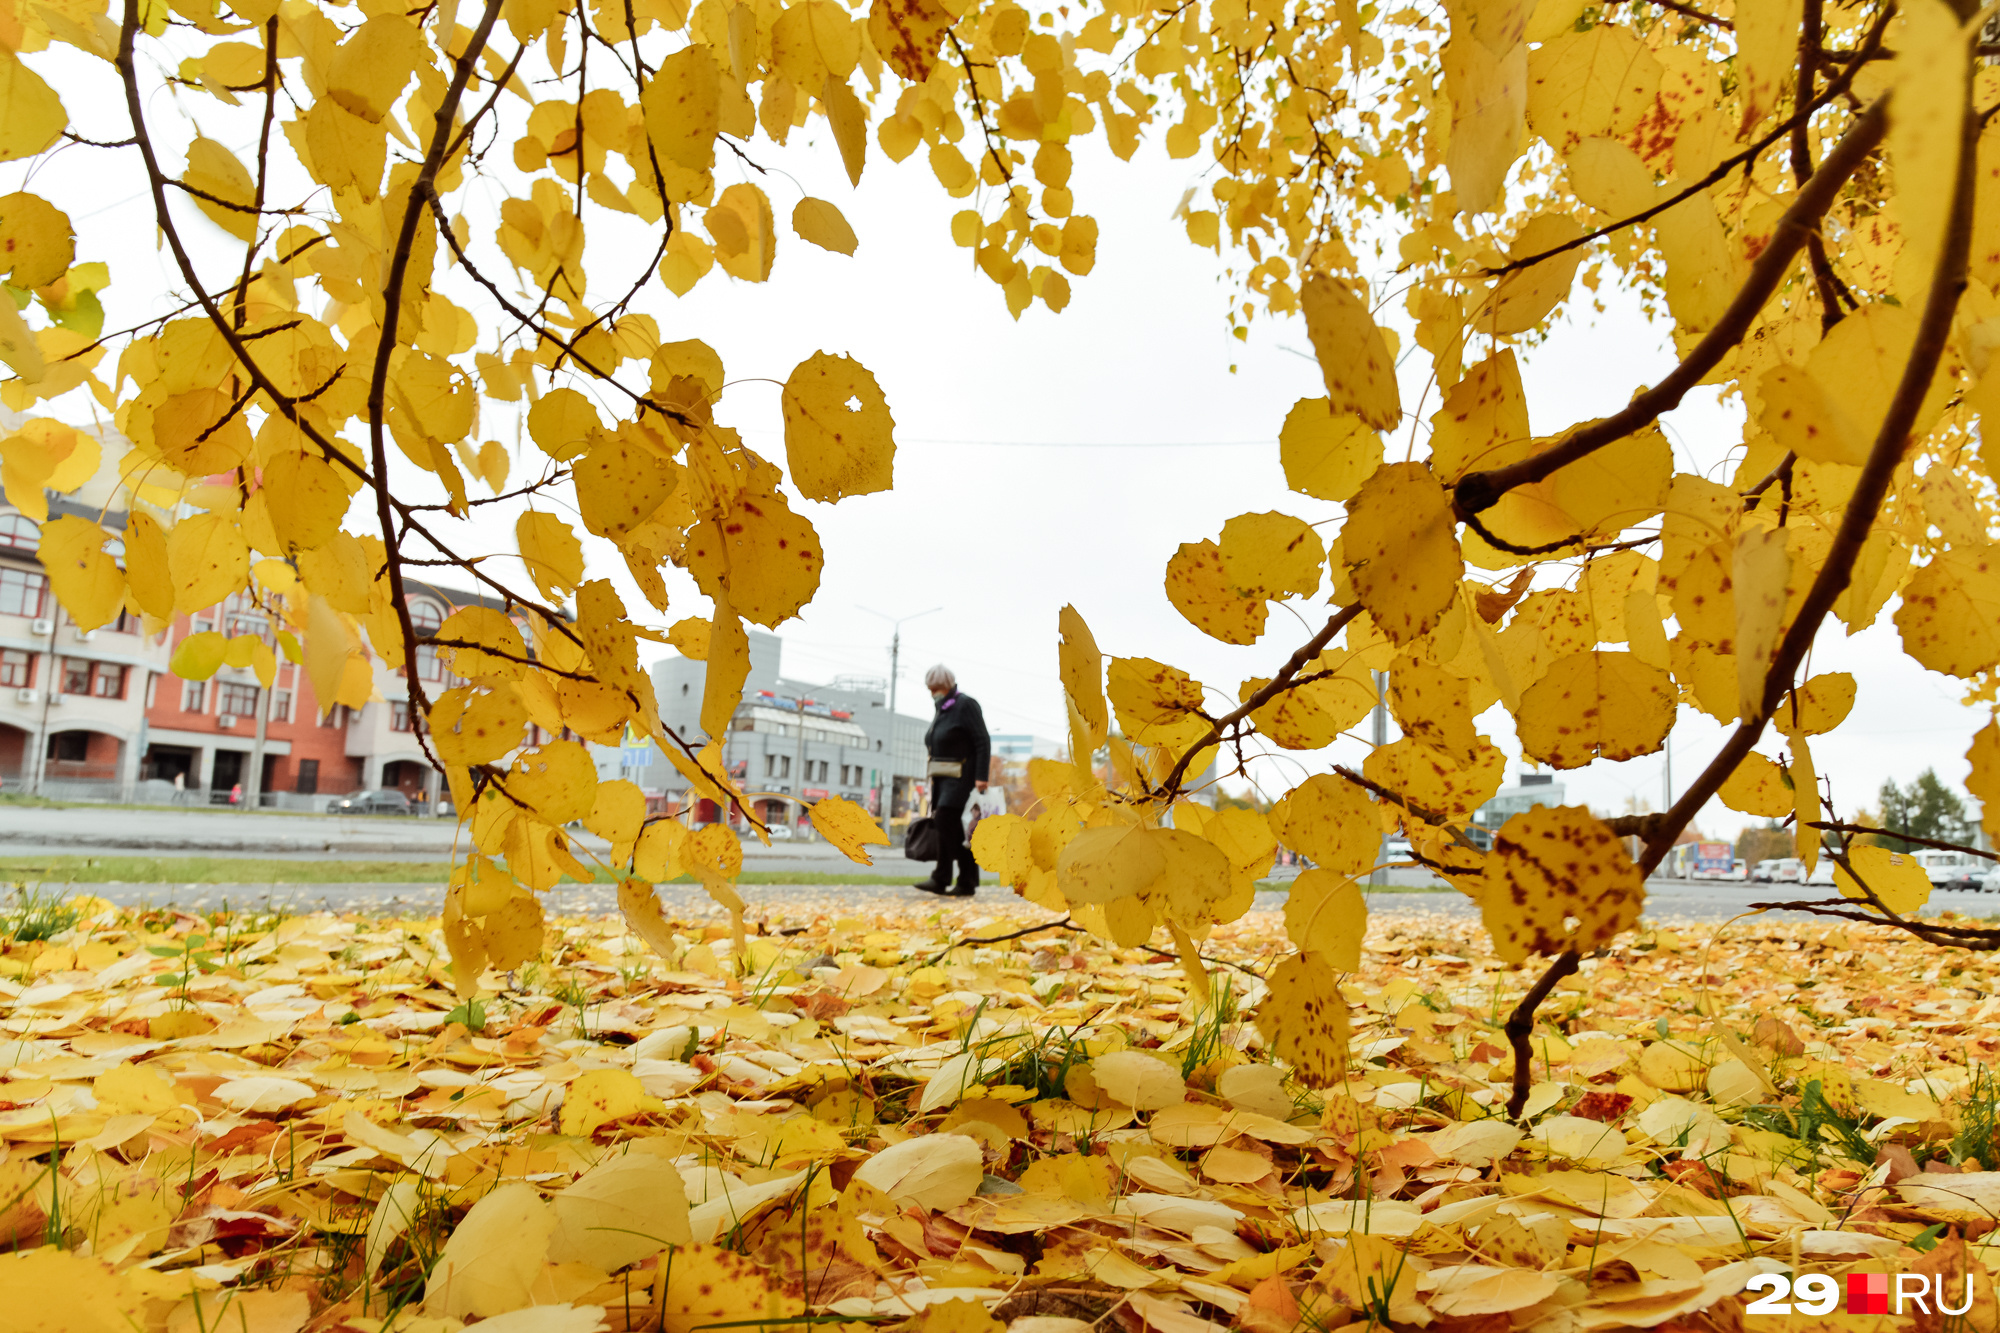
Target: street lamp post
x: 895, y: 655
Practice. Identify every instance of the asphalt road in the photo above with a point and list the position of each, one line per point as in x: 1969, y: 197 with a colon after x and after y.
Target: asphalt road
x: 1668, y: 901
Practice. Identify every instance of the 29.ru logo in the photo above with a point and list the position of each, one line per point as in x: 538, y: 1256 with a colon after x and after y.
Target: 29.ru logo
x: 1867, y: 1293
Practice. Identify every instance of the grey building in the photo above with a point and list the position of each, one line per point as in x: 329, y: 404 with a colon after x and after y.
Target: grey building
x: 1530, y: 790
x: 850, y: 745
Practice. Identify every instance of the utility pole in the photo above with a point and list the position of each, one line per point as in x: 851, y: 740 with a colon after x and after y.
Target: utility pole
x: 895, y: 657
x: 799, y: 779
x: 1667, y: 783
x: 1379, y: 876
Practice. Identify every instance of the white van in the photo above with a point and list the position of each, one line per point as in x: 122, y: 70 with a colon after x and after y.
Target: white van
x: 1952, y: 870
x: 1788, y: 870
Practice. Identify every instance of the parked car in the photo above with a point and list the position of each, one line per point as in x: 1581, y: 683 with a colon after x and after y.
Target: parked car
x: 1762, y: 872
x: 1953, y: 870
x: 1991, y: 882
x: 1741, y: 870
x: 1822, y: 874
x: 379, y: 801
x: 1788, y: 870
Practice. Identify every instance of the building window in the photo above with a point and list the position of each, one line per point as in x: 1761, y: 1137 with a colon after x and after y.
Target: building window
x: 75, y: 675
x: 784, y: 765
x: 127, y: 623
x: 399, y: 717
x: 71, y: 747
x: 425, y: 618
x: 107, y: 681
x: 770, y: 765
x: 22, y: 592
x: 20, y: 532
x: 17, y: 667
x: 281, y: 706
x: 237, y: 700
x: 308, y: 783
x: 194, y: 696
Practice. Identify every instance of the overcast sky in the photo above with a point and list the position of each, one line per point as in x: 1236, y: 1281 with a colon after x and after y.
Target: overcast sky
x: 1060, y: 458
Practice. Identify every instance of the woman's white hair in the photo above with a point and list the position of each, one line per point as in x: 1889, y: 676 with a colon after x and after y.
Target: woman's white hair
x: 939, y: 677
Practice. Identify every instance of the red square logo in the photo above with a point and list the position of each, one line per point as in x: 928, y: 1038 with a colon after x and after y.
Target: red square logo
x: 1867, y: 1293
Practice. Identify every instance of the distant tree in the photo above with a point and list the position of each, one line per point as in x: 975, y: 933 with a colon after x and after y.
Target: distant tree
x: 1925, y: 809
x: 1763, y: 844
x: 1247, y: 801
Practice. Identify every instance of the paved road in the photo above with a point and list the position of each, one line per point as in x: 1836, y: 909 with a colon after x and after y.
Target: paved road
x: 1668, y: 901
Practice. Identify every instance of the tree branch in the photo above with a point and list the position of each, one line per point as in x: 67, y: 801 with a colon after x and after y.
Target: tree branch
x: 1479, y: 491
x: 1277, y: 685
x: 421, y: 190
x: 1866, y: 829
x: 1521, y: 1027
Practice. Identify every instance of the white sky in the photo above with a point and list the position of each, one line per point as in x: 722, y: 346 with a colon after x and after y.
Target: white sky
x: 1061, y: 458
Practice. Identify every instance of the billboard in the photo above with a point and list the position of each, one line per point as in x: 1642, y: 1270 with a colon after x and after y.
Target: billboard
x: 1713, y: 860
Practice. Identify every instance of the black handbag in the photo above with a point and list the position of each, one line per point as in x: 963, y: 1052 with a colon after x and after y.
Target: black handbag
x: 920, y: 841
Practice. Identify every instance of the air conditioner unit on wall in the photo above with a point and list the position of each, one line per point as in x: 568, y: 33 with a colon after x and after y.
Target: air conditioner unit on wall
x: 24, y: 695
x: 43, y: 626
x: 226, y: 721
x: 85, y: 635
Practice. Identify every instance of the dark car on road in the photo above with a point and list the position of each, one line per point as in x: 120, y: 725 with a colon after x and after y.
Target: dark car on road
x: 381, y: 801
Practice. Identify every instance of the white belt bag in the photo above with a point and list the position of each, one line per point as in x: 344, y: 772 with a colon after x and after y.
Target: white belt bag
x: 945, y: 768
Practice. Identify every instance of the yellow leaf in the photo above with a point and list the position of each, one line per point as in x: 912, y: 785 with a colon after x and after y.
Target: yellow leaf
x: 620, y: 483
x: 1551, y: 866
x: 1103, y: 865
x: 306, y: 499
x: 551, y: 551
x: 1596, y: 705
x: 1984, y: 783
x: 712, y: 855
x: 1433, y: 780
x: 1896, y: 878
x: 1272, y: 556
x: 208, y: 559
x: 1950, y: 616
x: 598, y: 1096
x: 86, y: 579
x: 1926, y: 133
x: 1401, y: 550
x: 1200, y: 591
x: 31, y: 115
x: 1760, y: 572
x: 1767, y: 56
x: 1305, y: 1019
x: 92, y: 1299
x: 1139, y: 1080
x: 689, y: 637
x: 1433, y: 706
x: 640, y: 907
x: 1081, y: 667
x: 818, y: 221
x: 740, y: 225
x: 37, y: 244
x: 199, y: 656
x: 474, y: 726
x: 134, y: 1090
x: 848, y: 827
x: 1331, y: 822
x: 557, y: 781
x: 761, y: 557
x: 562, y: 422
x: 1484, y: 420
x: 18, y: 348
x: 213, y: 173
x: 702, y: 1285
x: 1156, y: 704
x: 1757, y: 787
x: 1819, y: 705
x: 1584, y: 84
x: 839, y: 436
x: 908, y: 33
x: 934, y: 1171
x: 618, y: 812
x: 493, y: 1258
x: 1326, y: 915
x: 728, y: 659
x: 1805, y: 800
x: 1353, y: 356
x: 1523, y: 299
x: 1325, y: 454
x: 491, y: 644
x: 682, y: 107
x: 622, y: 1210
x: 848, y: 120
x: 1487, y: 81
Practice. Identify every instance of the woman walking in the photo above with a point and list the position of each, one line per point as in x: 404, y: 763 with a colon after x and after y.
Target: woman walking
x: 960, y: 752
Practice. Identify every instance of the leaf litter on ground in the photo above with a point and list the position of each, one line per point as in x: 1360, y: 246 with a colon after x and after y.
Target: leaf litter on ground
x: 284, y: 1123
